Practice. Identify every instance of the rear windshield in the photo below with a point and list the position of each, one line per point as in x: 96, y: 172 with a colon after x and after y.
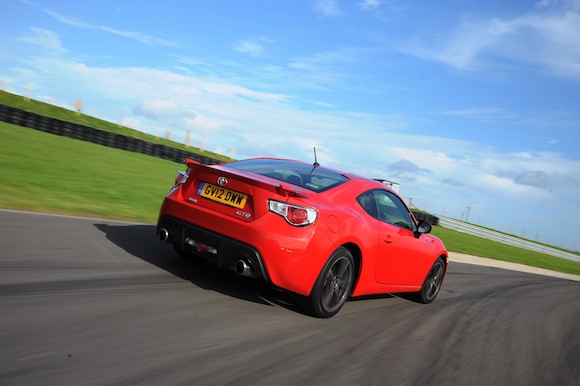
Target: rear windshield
x: 307, y: 176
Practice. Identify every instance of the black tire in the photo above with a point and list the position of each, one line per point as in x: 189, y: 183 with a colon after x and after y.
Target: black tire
x: 333, y: 286
x: 432, y: 283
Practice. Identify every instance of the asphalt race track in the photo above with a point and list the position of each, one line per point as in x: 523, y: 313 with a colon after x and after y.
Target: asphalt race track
x: 99, y: 302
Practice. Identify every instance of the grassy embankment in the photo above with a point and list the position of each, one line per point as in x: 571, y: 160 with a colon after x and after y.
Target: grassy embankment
x: 48, y: 173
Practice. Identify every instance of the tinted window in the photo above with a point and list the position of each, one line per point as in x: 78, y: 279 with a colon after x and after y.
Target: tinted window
x: 367, y: 202
x: 387, y: 207
x: 392, y: 210
x: 304, y: 175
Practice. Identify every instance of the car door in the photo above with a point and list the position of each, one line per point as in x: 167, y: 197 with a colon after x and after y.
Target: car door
x: 402, y: 256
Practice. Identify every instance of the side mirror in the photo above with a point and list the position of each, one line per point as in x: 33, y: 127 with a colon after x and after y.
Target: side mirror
x: 423, y: 227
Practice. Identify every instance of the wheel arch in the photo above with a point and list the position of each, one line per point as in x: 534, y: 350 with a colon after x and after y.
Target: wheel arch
x: 445, y: 258
x: 356, y: 253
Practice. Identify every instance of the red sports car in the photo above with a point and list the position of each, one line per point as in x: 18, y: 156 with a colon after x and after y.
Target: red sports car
x: 311, y: 230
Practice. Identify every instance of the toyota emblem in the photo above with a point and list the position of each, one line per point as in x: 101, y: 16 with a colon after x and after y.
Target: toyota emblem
x: 222, y: 181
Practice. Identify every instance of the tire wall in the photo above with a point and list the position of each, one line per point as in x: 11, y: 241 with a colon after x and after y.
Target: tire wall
x: 427, y: 217
x: 105, y: 138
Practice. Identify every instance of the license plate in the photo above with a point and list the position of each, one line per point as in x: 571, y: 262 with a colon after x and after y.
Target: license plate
x: 222, y: 195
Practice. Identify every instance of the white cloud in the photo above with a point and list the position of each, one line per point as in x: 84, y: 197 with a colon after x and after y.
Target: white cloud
x: 328, y: 8
x: 254, y: 47
x: 250, y: 48
x: 134, y: 35
x: 477, y: 112
x: 47, y: 40
x: 201, y: 122
x: 339, y: 68
x: 156, y: 108
x: 505, y: 186
x: 453, y: 181
x: 541, y: 179
x: 370, y: 4
x: 544, y: 39
x: 69, y: 20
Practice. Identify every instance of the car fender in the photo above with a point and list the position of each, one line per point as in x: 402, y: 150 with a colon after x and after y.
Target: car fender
x: 358, y: 239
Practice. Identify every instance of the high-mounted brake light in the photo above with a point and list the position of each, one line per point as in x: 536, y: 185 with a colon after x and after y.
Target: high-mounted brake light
x: 294, y: 214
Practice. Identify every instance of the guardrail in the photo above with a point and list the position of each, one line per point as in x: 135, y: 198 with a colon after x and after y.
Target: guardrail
x: 462, y: 226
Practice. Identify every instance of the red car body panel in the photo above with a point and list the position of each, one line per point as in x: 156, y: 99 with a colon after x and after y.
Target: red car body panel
x: 390, y: 259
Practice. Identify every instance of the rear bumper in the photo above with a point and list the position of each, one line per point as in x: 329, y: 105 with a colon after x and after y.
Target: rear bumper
x: 288, y: 257
x: 219, y: 249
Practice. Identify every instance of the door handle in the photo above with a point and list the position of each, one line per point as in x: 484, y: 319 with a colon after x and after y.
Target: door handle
x: 388, y: 240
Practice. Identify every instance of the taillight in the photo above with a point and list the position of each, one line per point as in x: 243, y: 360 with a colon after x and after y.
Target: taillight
x: 180, y: 178
x: 294, y: 214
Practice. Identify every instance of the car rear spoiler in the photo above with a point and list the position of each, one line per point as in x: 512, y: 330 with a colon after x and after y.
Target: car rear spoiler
x: 268, y: 183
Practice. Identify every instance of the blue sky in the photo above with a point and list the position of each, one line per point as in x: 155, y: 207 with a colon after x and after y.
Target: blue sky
x: 464, y: 103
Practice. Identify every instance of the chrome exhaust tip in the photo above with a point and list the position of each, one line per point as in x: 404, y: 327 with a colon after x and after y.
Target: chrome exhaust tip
x: 243, y: 268
x: 164, y: 235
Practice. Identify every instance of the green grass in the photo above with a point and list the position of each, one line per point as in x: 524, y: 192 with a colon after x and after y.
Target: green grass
x: 48, y: 173
x: 464, y: 243
x: 48, y: 110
